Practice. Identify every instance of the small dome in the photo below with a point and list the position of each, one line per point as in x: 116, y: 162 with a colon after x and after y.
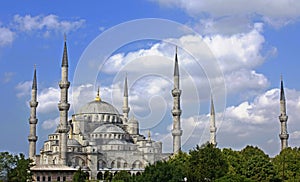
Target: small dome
x: 73, y: 143
x: 109, y: 128
x: 98, y: 107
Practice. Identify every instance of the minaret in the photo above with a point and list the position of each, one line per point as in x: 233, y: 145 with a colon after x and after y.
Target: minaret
x: 63, y: 107
x: 125, y: 108
x: 283, y: 118
x: 32, y: 138
x: 212, y: 123
x: 176, y: 111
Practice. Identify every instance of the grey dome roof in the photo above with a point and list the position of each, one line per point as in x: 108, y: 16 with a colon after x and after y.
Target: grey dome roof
x: 73, y: 142
x: 98, y: 107
x: 109, y: 128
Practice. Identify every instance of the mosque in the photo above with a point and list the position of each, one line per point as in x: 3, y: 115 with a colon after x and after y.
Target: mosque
x: 98, y: 139
x: 102, y: 141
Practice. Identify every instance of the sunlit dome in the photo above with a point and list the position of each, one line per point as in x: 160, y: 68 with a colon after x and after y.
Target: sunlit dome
x: 98, y: 107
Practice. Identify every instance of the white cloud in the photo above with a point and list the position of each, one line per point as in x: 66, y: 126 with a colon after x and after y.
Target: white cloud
x: 6, y: 36
x: 47, y: 23
x: 236, y: 55
x: 249, y: 123
x: 48, y: 99
x: 50, y: 123
x: 23, y: 88
x: 278, y: 12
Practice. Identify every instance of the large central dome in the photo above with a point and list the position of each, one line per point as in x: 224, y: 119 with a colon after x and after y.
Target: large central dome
x: 98, y: 107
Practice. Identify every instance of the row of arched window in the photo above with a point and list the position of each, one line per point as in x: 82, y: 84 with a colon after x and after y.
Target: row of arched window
x: 120, y: 163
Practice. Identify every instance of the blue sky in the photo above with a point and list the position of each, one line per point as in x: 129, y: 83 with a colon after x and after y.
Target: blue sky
x: 252, y: 43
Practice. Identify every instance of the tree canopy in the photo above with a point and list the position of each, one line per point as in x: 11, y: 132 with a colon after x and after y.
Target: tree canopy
x: 14, y: 167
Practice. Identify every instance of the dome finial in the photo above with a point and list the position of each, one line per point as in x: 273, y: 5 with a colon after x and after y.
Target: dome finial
x: 98, y: 95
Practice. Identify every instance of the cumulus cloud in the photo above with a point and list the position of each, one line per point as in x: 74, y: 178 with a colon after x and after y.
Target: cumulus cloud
x: 6, y: 36
x: 277, y: 13
x: 50, y: 123
x: 48, y: 99
x: 47, y: 23
x: 23, y: 88
x: 236, y: 55
x: 250, y: 122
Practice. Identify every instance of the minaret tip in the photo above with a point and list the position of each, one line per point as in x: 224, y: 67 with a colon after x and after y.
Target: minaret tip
x: 125, y: 86
x: 176, y: 68
x: 65, y: 54
x: 212, y: 107
x: 34, y: 82
x: 282, y: 96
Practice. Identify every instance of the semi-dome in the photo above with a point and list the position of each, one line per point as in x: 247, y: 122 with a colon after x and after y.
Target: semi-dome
x: 98, y: 107
x: 109, y: 128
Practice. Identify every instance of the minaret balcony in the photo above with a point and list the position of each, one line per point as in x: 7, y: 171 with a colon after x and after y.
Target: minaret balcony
x: 125, y: 109
x: 284, y: 136
x: 63, y: 106
x: 213, y: 129
x: 176, y: 92
x: 283, y: 118
x: 176, y: 132
x: 33, y: 103
x: 33, y: 121
x: 64, y: 84
x: 62, y: 129
x: 32, y: 138
x: 176, y: 112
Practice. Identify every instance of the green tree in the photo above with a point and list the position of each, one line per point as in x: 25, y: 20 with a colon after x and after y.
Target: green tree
x: 256, y: 165
x: 161, y: 171
x: 287, y: 164
x: 79, y: 176
x: 233, y: 178
x: 14, y: 167
x: 122, y: 176
x: 206, y: 163
x: 234, y: 160
x: 7, y: 163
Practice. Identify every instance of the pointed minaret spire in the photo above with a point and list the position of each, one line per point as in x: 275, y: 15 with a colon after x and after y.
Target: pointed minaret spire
x: 176, y: 68
x: 125, y: 108
x: 212, y: 123
x: 34, y: 82
x: 65, y: 54
x: 176, y: 111
x: 32, y: 138
x: 63, y: 107
x: 283, y: 118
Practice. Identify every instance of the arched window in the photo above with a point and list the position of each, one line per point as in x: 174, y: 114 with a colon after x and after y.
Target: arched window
x: 113, y: 164
x: 137, y: 164
x: 101, y: 164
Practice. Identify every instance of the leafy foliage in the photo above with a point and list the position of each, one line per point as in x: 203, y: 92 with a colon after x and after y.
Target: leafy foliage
x: 14, y: 167
x: 79, y: 176
x: 206, y: 163
x: 122, y: 176
x: 287, y: 164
